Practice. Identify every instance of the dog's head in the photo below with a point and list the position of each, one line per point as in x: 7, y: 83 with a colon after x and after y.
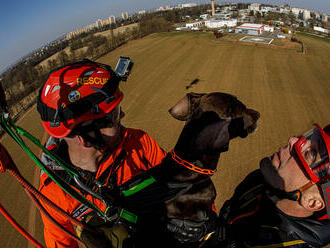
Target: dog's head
x: 209, y: 117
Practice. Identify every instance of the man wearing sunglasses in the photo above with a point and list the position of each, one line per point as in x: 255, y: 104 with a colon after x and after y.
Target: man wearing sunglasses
x: 285, y: 203
x: 79, y: 105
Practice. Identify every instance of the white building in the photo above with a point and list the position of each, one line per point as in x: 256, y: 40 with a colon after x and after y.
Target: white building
x: 306, y: 14
x: 124, y: 15
x: 204, y: 16
x: 322, y: 30
x: 284, y: 10
x: 227, y: 8
x: 254, y: 6
x: 181, y: 28
x: 242, y: 12
x: 164, y: 8
x: 142, y: 12
x: 268, y: 28
x: 266, y: 9
x: 187, y: 5
x: 250, y: 28
x: 194, y: 25
x: 296, y: 11
x: 112, y: 19
x: 221, y: 16
x: 98, y: 23
x: 221, y: 23
x: 318, y: 15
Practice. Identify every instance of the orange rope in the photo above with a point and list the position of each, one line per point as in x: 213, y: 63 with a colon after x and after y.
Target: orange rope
x: 19, y: 227
x: 191, y: 166
x: 15, y: 173
x: 47, y: 215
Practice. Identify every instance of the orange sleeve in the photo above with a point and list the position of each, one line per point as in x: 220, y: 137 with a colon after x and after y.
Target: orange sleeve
x: 54, y: 236
x: 152, y: 151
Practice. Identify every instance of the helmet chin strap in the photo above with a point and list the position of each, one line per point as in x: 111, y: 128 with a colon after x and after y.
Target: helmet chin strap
x: 294, y: 195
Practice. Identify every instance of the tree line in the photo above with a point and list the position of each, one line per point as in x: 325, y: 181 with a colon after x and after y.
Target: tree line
x: 27, y: 76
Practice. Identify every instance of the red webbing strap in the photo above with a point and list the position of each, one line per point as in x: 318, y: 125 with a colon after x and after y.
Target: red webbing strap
x: 54, y: 222
x: 19, y: 227
x: 39, y: 196
x: 258, y: 197
x: 191, y: 166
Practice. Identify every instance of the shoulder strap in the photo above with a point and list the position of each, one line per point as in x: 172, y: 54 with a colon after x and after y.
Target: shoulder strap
x: 110, y: 173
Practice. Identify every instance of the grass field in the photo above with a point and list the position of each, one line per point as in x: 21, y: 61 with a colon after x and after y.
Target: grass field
x: 291, y: 91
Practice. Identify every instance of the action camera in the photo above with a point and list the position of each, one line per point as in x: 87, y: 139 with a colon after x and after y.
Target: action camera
x: 124, y: 67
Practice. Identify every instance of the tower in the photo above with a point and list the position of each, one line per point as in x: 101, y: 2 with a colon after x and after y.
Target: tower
x: 212, y: 5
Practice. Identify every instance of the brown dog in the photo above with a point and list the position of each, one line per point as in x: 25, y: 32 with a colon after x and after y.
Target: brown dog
x: 211, y: 121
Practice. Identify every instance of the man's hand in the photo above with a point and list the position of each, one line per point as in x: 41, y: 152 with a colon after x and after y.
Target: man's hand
x: 192, y: 231
x: 187, y: 230
x: 108, y: 234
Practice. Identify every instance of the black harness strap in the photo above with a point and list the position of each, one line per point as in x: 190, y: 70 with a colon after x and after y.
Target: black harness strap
x: 111, y: 172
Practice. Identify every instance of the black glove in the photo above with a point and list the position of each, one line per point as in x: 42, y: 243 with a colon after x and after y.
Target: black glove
x: 187, y: 230
x: 190, y: 231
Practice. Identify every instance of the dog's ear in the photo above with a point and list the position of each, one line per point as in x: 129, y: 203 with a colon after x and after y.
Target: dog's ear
x: 184, y: 109
x: 225, y: 105
x: 250, y: 118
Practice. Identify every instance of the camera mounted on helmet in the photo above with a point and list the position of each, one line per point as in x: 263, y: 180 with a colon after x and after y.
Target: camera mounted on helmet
x: 124, y: 67
x: 76, y: 93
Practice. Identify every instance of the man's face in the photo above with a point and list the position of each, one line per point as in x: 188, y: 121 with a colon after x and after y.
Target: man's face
x: 282, y: 171
x: 111, y: 133
x: 111, y: 128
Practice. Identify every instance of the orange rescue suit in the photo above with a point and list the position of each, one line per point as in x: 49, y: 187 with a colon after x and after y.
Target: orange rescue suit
x: 142, y: 153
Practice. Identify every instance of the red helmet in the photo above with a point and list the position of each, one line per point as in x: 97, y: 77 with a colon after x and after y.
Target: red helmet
x: 76, y: 93
x: 312, y: 151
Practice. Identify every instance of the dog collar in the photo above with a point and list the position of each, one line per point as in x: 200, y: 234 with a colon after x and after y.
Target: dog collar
x: 191, y: 166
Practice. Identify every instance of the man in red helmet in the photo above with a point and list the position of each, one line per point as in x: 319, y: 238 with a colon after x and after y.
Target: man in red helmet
x: 79, y: 105
x: 286, y: 203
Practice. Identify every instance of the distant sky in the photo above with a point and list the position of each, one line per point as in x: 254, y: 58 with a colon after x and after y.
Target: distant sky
x: 27, y: 25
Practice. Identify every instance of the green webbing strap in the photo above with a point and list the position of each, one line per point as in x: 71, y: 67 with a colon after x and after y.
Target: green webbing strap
x: 145, y: 183
x: 130, y: 217
x: 58, y: 160
x: 59, y: 181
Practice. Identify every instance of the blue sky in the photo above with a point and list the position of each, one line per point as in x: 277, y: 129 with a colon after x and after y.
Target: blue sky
x: 27, y: 25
